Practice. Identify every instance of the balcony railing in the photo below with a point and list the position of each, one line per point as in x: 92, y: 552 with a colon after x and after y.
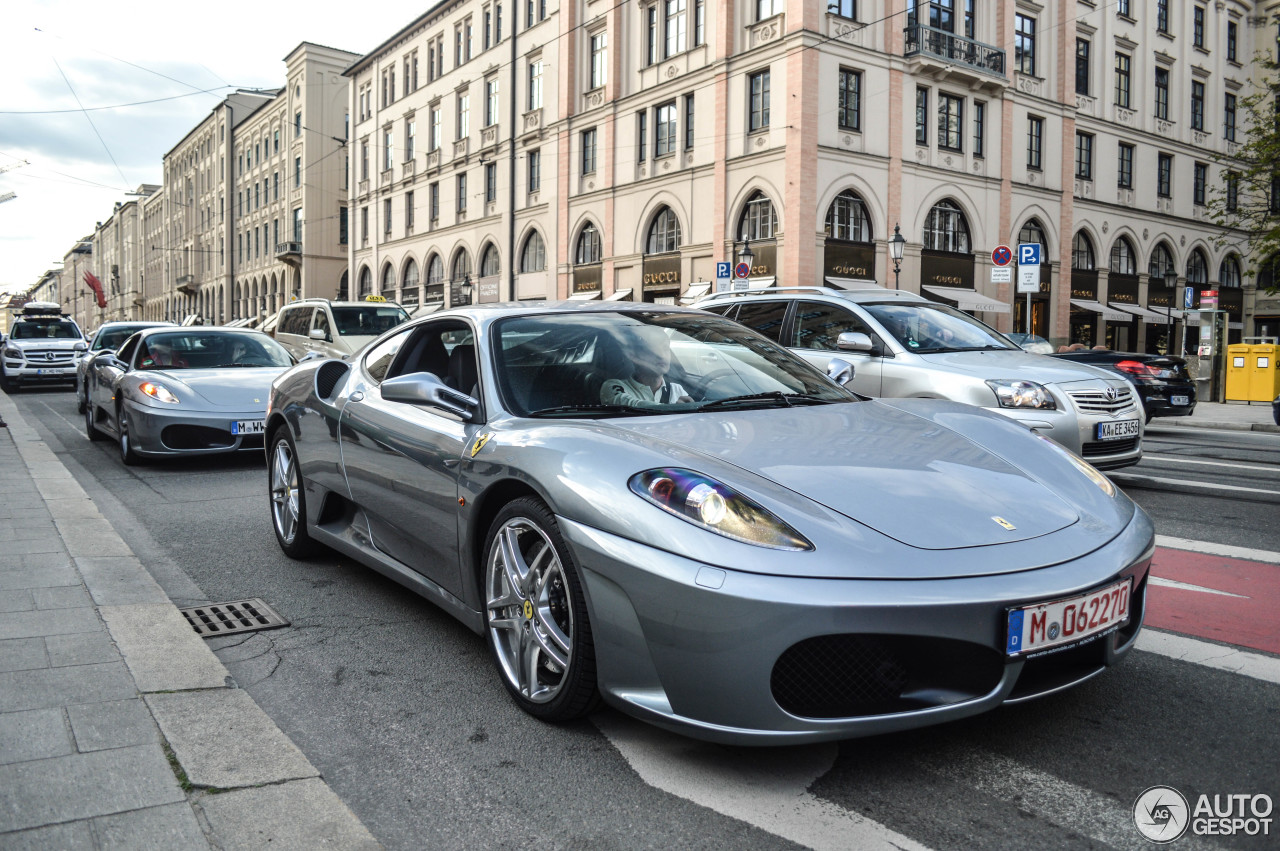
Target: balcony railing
x: 285, y: 248
x: 927, y: 41
x: 187, y: 283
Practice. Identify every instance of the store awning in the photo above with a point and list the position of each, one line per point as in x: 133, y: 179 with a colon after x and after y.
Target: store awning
x: 1141, y: 312
x: 236, y: 323
x: 1106, y: 312
x: 695, y: 292
x: 591, y: 296
x: 620, y: 295
x: 970, y: 300
x: 853, y: 283
x: 426, y: 309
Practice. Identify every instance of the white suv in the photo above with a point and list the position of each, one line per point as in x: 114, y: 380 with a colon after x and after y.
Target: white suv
x: 43, y: 347
x: 900, y: 344
x: 335, y: 329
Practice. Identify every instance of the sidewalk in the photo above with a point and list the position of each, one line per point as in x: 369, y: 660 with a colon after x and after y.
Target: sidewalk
x: 1233, y: 416
x: 119, y: 728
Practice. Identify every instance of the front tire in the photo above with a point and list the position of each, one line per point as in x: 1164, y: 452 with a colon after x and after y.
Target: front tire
x: 90, y: 430
x: 536, y: 615
x: 127, y: 455
x: 288, y: 502
x: 7, y: 384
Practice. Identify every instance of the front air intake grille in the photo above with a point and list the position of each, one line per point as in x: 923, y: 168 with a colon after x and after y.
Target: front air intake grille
x: 1103, y: 448
x: 846, y: 676
x: 328, y: 376
x: 1098, y: 402
x: 196, y: 437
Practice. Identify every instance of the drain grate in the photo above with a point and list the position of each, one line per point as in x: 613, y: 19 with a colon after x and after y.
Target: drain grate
x: 227, y: 618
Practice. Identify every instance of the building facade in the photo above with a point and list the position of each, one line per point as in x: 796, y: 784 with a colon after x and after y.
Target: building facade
x: 543, y: 149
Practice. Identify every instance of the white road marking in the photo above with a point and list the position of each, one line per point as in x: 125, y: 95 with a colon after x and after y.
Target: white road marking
x: 766, y: 787
x: 1222, y: 658
x: 1210, y: 548
x: 1177, y: 459
x: 1187, y: 586
x: 1120, y: 477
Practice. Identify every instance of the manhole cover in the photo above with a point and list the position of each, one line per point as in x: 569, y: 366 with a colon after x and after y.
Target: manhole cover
x: 227, y: 618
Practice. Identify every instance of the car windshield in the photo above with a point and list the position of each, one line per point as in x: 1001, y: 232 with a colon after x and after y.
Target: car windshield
x: 367, y: 320
x: 629, y: 363
x: 45, y: 329
x: 1031, y: 343
x: 111, y: 338
x: 195, y: 349
x: 928, y: 328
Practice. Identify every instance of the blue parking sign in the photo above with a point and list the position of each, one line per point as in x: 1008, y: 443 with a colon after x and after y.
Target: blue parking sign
x: 724, y: 270
x: 1028, y: 254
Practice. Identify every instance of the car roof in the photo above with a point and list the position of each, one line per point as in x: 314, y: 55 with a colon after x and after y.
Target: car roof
x: 869, y: 294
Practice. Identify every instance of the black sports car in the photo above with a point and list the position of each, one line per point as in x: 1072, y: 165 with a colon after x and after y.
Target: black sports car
x: 1162, y: 381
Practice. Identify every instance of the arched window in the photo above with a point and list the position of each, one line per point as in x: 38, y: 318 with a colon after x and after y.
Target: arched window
x: 664, y: 233
x: 757, y: 222
x: 1032, y: 232
x: 342, y: 287
x: 847, y: 219
x: 534, y: 256
x: 461, y: 265
x: 388, y: 282
x: 1123, y: 261
x: 489, y: 263
x: 1197, y: 268
x: 1161, y: 261
x: 435, y: 279
x: 366, y: 283
x: 411, y: 275
x: 1228, y: 272
x: 588, y: 246
x: 1082, y: 252
x: 946, y: 229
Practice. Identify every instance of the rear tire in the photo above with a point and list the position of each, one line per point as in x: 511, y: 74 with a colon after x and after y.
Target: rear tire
x: 287, y: 498
x: 91, y: 430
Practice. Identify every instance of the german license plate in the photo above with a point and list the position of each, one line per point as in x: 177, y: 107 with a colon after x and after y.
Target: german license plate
x: 1045, y: 625
x: 54, y: 371
x: 1179, y: 400
x: 248, y: 427
x: 1117, y: 430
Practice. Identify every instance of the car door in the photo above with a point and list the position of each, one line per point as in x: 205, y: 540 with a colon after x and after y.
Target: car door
x: 818, y: 325
x: 765, y: 317
x: 402, y: 461
x: 104, y: 374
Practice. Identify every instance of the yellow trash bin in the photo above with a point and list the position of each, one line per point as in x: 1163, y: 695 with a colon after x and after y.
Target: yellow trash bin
x: 1264, y: 377
x: 1238, y: 373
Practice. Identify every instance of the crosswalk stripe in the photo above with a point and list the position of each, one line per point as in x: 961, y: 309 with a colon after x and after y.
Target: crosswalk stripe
x: 1210, y: 548
x: 1210, y: 655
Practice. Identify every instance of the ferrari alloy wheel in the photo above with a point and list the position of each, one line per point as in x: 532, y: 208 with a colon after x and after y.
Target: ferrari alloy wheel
x: 127, y: 455
x: 90, y: 430
x: 536, y: 615
x: 288, y: 505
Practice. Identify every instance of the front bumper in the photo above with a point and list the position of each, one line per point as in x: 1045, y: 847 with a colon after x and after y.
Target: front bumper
x: 701, y: 649
x: 157, y: 431
x: 27, y: 372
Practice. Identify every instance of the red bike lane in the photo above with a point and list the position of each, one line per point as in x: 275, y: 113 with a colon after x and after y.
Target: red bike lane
x: 1246, y: 612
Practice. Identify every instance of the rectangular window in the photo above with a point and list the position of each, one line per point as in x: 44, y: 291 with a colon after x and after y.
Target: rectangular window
x: 410, y: 142
x: 665, y: 130
x: 275, y: 142
x: 488, y: 28
x: 535, y: 170
x: 1084, y: 156
x: 342, y: 225
x: 1162, y: 93
x: 387, y: 149
x: 699, y: 22
x: 297, y: 124
x: 922, y: 116
x: 599, y: 60
x: 464, y: 116
x: 849, y: 108
x: 1164, y: 175
x: 675, y: 26
x: 275, y: 186
x: 1082, y: 66
x: 434, y: 143
x: 844, y: 9
x: 1122, y: 8
x: 950, y: 122
x: 497, y: 22
x: 457, y: 45
x: 1035, y: 143
x: 1162, y: 16
x: 979, y: 128
x: 642, y: 135
x: 1197, y: 26
x: 1198, y: 183
x: 688, y: 122
x: 759, y: 100
x: 408, y: 211
x: 1233, y: 191
x: 1124, y: 167
x: 651, y: 35
x: 386, y: 217
x: 364, y: 224
x: 490, y: 182
x: 589, y: 151
x: 1232, y: 35
x: 297, y: 224
x: 1197, y: 105
x: 462, y: 192
x: 297, y: 172
x: 1229, y: 117
x: 535, y: 85
x: 433, y: 203
x: 1024, y: 44
x: 1123, y: 63
x: 490, y: 102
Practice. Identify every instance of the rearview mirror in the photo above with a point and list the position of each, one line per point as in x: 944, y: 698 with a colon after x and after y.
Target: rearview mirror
x: 424, y: 388
x: 317, y: 334
x: 840, y: 371
x: 855, y: 341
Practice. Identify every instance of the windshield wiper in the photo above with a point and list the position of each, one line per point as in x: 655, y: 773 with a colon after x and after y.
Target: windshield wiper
x: 775, y: 397
x: 577, y: 410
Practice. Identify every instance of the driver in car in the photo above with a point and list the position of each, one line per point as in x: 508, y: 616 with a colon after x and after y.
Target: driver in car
x: 160, y: 354
x: 650, y: 351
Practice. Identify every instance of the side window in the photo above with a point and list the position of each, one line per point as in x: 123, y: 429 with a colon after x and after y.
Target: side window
x: 125, y: 352
x: 300, y: 321
x: 322, y: 323
x: 764, y: 317
x: 726, y: 310
x: 818, y: 325
x: 379, y: 358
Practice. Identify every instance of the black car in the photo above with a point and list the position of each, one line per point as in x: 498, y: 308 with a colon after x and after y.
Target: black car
x: 1275, y: 410
x: 1162, y: 381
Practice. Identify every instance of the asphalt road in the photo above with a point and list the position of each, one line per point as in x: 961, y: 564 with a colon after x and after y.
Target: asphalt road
x: 399, y: 707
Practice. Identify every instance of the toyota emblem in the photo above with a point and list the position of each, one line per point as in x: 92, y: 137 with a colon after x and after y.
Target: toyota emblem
x: 1112, y: 393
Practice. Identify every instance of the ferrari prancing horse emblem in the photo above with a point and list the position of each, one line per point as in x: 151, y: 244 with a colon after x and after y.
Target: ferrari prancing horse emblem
x: 480, y: 442
x: 1005, y: 523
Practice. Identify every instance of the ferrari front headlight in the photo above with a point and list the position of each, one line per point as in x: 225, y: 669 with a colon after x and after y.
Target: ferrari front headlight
x: 1083, y: 466
x: 158, y: 392
x: 716, y: 507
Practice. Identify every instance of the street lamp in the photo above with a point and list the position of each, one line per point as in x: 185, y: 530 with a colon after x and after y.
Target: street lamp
x: 465, y: 289
x: 746, y: 255
x: 1171, y: 284
x: 896, y: 244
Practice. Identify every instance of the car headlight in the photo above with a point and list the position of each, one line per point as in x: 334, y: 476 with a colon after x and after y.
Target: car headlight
x: 1017, y: 393
x: 13, y: 352
x: 715, y: 507
x: 1083, y: 466
x: 158, y: 392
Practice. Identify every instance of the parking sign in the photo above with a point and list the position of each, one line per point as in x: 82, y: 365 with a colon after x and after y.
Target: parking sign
x: 724, y: 274
x: 1028, y: 254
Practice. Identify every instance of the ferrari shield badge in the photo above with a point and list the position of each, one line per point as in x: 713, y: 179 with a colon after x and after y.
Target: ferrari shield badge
x: 480, y: 442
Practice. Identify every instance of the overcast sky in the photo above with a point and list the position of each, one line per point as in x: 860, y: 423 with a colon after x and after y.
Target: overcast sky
x: 76, y: 76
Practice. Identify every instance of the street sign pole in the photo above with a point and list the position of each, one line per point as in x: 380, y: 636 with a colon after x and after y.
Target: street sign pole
x: 1028, y: 273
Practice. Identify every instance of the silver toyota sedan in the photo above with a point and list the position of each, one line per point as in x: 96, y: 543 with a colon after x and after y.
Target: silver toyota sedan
x: 661, y: 509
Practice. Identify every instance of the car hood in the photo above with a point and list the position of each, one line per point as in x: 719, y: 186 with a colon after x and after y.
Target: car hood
x: 238, y: 388
x: 1013, y: 364
x: 905, y: 476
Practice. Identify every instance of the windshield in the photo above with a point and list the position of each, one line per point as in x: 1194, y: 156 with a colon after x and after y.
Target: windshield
x: 628, y: 363
x: 112, y: 337
x: 45, y: 329
x: 930, y: 328
x: 367, y: 321
x: 196, y: 349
